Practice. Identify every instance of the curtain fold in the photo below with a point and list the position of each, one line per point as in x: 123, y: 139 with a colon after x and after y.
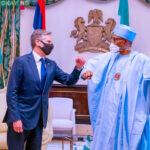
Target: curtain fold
x: 9, y: 40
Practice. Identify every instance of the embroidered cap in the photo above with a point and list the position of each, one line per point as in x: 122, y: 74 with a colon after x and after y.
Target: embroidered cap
x: 125, y: 32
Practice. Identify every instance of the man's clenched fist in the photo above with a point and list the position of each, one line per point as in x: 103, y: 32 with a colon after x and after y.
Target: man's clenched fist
x: 80, y: 61
x: 17, y: 126
x: 87, y: 75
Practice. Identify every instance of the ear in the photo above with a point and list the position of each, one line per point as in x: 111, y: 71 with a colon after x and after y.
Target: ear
x: 125, y: 41
x: 38, y: 42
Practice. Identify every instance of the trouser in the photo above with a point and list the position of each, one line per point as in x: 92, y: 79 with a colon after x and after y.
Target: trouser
x: 32, y: 138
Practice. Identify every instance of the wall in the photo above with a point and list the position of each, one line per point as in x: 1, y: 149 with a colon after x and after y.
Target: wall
x: 60, y: 21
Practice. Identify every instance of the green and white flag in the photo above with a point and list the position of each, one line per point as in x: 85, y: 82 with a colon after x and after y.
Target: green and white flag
x: 87, y: 145
x: 123, y: 12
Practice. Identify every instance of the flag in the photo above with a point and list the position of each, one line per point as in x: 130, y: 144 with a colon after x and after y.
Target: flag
x: 123, y: 12
x: 39, y: 17
x: 87, y: 145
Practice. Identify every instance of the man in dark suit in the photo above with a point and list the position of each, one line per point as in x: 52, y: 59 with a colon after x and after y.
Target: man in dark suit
x: 27, y: 93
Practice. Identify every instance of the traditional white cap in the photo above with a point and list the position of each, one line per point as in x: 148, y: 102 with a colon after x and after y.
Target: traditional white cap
x: 125, y: 32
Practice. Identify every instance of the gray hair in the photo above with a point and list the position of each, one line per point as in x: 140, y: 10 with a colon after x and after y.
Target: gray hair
x: 38, y: 34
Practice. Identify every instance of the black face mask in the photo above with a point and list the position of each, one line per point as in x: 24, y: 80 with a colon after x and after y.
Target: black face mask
x: 47, y: 48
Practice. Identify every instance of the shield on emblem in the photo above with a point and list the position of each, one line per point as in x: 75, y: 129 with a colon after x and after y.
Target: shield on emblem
x: 94, y: 35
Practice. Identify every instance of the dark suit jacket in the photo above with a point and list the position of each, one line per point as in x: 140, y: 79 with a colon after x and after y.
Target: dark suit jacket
x: 25, y: 98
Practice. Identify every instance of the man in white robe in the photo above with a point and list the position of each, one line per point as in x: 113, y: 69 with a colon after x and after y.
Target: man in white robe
x: 119, y: 95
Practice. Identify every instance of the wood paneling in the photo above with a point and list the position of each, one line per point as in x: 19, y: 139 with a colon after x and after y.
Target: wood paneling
x: 79, y: 95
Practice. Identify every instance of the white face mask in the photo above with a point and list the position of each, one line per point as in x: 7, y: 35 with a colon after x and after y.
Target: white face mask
x: 114, y: 48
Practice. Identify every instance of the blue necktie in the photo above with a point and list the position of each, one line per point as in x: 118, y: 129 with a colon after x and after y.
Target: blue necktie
x: 43, y: 73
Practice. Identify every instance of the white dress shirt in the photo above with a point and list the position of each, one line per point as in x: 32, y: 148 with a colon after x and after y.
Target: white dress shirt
x: 37, y: 58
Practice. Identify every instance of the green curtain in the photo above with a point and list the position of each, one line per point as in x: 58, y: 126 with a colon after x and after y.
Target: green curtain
x: 48, y: 2
x: 9, y: 40
x: 147, y: 1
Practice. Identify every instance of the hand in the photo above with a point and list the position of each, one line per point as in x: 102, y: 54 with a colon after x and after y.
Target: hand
x: 87, y: 75
x: 17, y: 126
x: 80, y: 61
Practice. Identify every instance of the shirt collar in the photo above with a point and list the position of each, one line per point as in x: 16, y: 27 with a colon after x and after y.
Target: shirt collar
x: 37, y: 57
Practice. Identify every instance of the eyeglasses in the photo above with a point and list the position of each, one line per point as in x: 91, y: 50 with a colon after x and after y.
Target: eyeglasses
x: 115, y: 39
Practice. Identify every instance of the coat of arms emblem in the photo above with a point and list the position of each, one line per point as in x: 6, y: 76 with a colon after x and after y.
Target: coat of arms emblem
x: 95, y: 37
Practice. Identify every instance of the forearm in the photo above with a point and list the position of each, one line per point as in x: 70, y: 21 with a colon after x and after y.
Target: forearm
x: 13, y: 89
x: 12, y: 103
x: 73, y: 77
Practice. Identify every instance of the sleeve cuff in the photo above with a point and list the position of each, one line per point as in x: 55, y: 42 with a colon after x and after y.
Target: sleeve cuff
x: 79, y: 69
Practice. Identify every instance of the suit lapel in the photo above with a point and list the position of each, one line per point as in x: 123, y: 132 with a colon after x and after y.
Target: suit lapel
x: 34, y: 69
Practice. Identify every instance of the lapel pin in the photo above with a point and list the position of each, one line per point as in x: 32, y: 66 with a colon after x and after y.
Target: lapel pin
x: 117, y: 76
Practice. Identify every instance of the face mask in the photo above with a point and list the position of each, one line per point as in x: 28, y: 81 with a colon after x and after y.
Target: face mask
x: 47, y: 48
x: 114, y: 48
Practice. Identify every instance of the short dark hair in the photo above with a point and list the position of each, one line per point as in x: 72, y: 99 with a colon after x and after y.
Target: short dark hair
x: 38, y: 34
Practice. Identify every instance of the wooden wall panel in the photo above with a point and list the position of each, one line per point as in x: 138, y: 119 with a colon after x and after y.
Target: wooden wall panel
x: 79, y: 95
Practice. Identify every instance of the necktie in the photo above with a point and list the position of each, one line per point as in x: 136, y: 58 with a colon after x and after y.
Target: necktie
x: 43, y: 73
